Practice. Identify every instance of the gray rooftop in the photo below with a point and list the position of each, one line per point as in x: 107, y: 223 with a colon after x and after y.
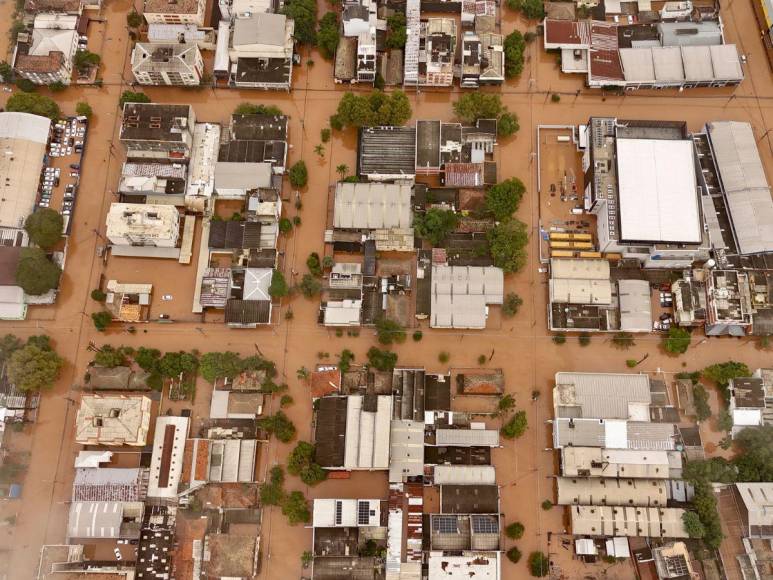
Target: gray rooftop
x: 387, y: 151
x: 602, y: 395
x: 370, y: 206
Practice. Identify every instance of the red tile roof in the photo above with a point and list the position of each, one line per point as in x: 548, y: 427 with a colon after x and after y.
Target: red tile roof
x: 325, y: 382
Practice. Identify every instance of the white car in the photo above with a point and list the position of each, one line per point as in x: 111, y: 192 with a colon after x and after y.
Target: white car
x: 117, y: 553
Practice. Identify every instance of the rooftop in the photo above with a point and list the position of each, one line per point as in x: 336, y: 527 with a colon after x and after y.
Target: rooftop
x: 602, y: 396
x: 460, y: 295
x: 758, y: 500
x: 372, y: 206
x: 628, y: 521
x: 612, y: 492
x: 113, y: 420
x: 155, y: 122
x: 171, y: 6
x: 232, y: 555
x: 469, y: 499
x: 387, y: 151
x: 167, y: 459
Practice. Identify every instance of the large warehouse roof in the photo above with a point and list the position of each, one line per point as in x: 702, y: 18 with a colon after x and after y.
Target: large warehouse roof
x: 745, y: 186
x: 372, y: 206
x: 658, y: 194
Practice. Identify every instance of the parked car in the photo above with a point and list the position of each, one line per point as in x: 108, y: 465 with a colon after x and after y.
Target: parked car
x: 75, y: 166
x: 117, y: 553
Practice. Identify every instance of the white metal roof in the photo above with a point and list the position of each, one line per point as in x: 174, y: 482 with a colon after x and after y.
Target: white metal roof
x: 758, y: 499
x: 478, y: 565
x: 602, y: 395
x: 373, y: 206
x: 635, y: 305
x: 467, y: 437
x: 180, y: 425
x: 658, y: 191
x: 459, y: 295
x: 406, y: 450
x: 367, y: 434
x: 465, y: 475
x: 745, y: 185
x: 346, y: 513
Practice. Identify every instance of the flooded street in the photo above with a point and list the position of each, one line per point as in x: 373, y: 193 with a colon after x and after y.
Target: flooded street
x: 522, y: 346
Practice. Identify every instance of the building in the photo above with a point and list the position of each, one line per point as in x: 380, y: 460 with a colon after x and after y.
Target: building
x: 672, y: 561
x: 230, y: 459
x: 602, y: 396
x: 747, y: 403
x: 661, y: 227
x: 467, y: 437
x: 622, y: 463
x: 357, y: 50
x: 406, y: 454
x: 341, y: 304
x: 157, y: 132
x: 614, y: 434
x: 97, y: 520
x: 455, y: 475
x: 755, y: 504
x: 387, y: 153
x: 113, y: 420
x: 483, y: 59
x: 644, y: 55
x: 436, y: 61
x: 177, y: 12
x: 739, y: 302
x: 372, y: 206
x: 68, y: 561
x: 120, y: 378
x: 236, y: 180
x: 256, y: 139
x: 13, y: 304
x: 352, y: 433
x: 346, y: 513
x: 143, y: 225
x: 612, y: 492
x: 46, y: 55
x: 261, y: 51
x: 156, y: 181
x: 744, y: 186
x: 158, y: 63
x: 166, y: 463
x: 461, y: 295
x: 630, y: 522
x: 109, y: 484
x: 405, y: 532
x: 128, y: 302
x: 462, y: 545
x: 249, y: 303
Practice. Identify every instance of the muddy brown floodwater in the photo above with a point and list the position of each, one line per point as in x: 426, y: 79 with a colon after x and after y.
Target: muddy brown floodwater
x: 521, y: 346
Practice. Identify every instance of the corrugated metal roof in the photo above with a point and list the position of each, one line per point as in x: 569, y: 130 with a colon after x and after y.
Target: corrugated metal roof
x: 744, y: 184
x: 635, y: 305
x: 601, y: 395
x: 464, y: 475
x: 372, y: 205
x: 612, y: 491
x: 467, y: 437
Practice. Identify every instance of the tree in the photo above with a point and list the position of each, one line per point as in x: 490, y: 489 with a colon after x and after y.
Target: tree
x: 701, y: 400
x: 296, y: 508
x: 272, y: 491
x: 584, y: 339
x: 6, y: 72
x: 298, y: 174
x: 133, y: 19
x: 110, y: 357
x: 723, y: 373
x: 285, y: 226
x: 503, y: 199
x: 345, y: 360
x: 511, y: 305
x: 255, y: 109
x: 514, y: 531
x: 531, y: 9
x: 101, y: 320
x: 381, y: 360
x: 516, y: 426
x: 8, y: 345
x: 328, y: 35
x: 389, y: 331
x: 314, y: 264
x: 678, y: 340
x: 324, y: 135
x: 755, y: 460
x: 514, y: 47
x: 397, y: 33
x: 278, y: 286
x: 559, y: 338
x: 507, y: 244
x: 148, y: 359
x: 32, y: 368
x: 473, y: 106
x: 83, y: 109
x: 310, y: 286
x: 33, y: 104
x: 692, y: 525
x: 623, y: 340
x: 514, y: 555
x: 507, y: 124
x: 26, y: 85
x: 724, y: 420
x: 174, y: 364
x: 304, y: 13
x: 705, y: 504
x: 301, y: 463
x: 319, y: 149
x: 44, y: 227
x: 84, y: 60
x: 132, y: 97
x: 342, y: 170
x: 376, y: 108
x: 716, y: 469
x: 435, y: 225
x: 279, y: 425
x: 539, y: 564
x: 506, y: 404
x: 36, y: 274
x: 57, y: 87
x: 444, y: 356
x: 220, y: 365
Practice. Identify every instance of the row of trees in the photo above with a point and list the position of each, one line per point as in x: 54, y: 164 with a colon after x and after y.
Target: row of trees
x: 32, y: 365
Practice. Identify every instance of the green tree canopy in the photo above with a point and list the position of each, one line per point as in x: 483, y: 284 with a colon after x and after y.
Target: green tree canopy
x: 272, y: 491
x: 507, y: 245
x: 435, y: 224
x: 148, y: 359
x: 298, y: 174
x: 701, y: 400
x: 133, y: 19
x: 32, y: 368
x: 301, y: 463
x: 381, y: 360
x: 511, y: 304
x: 132, y: 97
x: 220, y: 365
x: 397, y: 33
x: 84, y: 60
x: 623, y: 340
x: 278, y: 286
x: 8, y: 345
x: 328, y: 35
x: 514, y: 47
x: 101, y: 319
x: 110, y: 357
x: 389, y: 331
x: 279, y: 425
x: 692, y: 525
x: 256, y: 109
x: 375, y: 108
x: 507, y: 124
x: 83, y: 109
x: 173, y: 364
x: 304, y: 13
x: 723, y: 373
x: 514, y: 531
x: 531, y: 9
x: 473, y: 106
x: 310, y: 286
x: 677, y: 341
x: 755, y: 460
x: 503, y: 199
x: 516, y: 426
x: 34, y: 104
x: 296, y: 508
x: 539, y: 564
x: 36, y: 274
x: 44, y: 227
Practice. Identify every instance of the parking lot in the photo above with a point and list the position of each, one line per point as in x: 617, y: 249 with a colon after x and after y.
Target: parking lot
x: 61, y: 174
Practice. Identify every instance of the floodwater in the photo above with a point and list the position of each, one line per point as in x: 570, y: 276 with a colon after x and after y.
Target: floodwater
x: 521, y: 346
